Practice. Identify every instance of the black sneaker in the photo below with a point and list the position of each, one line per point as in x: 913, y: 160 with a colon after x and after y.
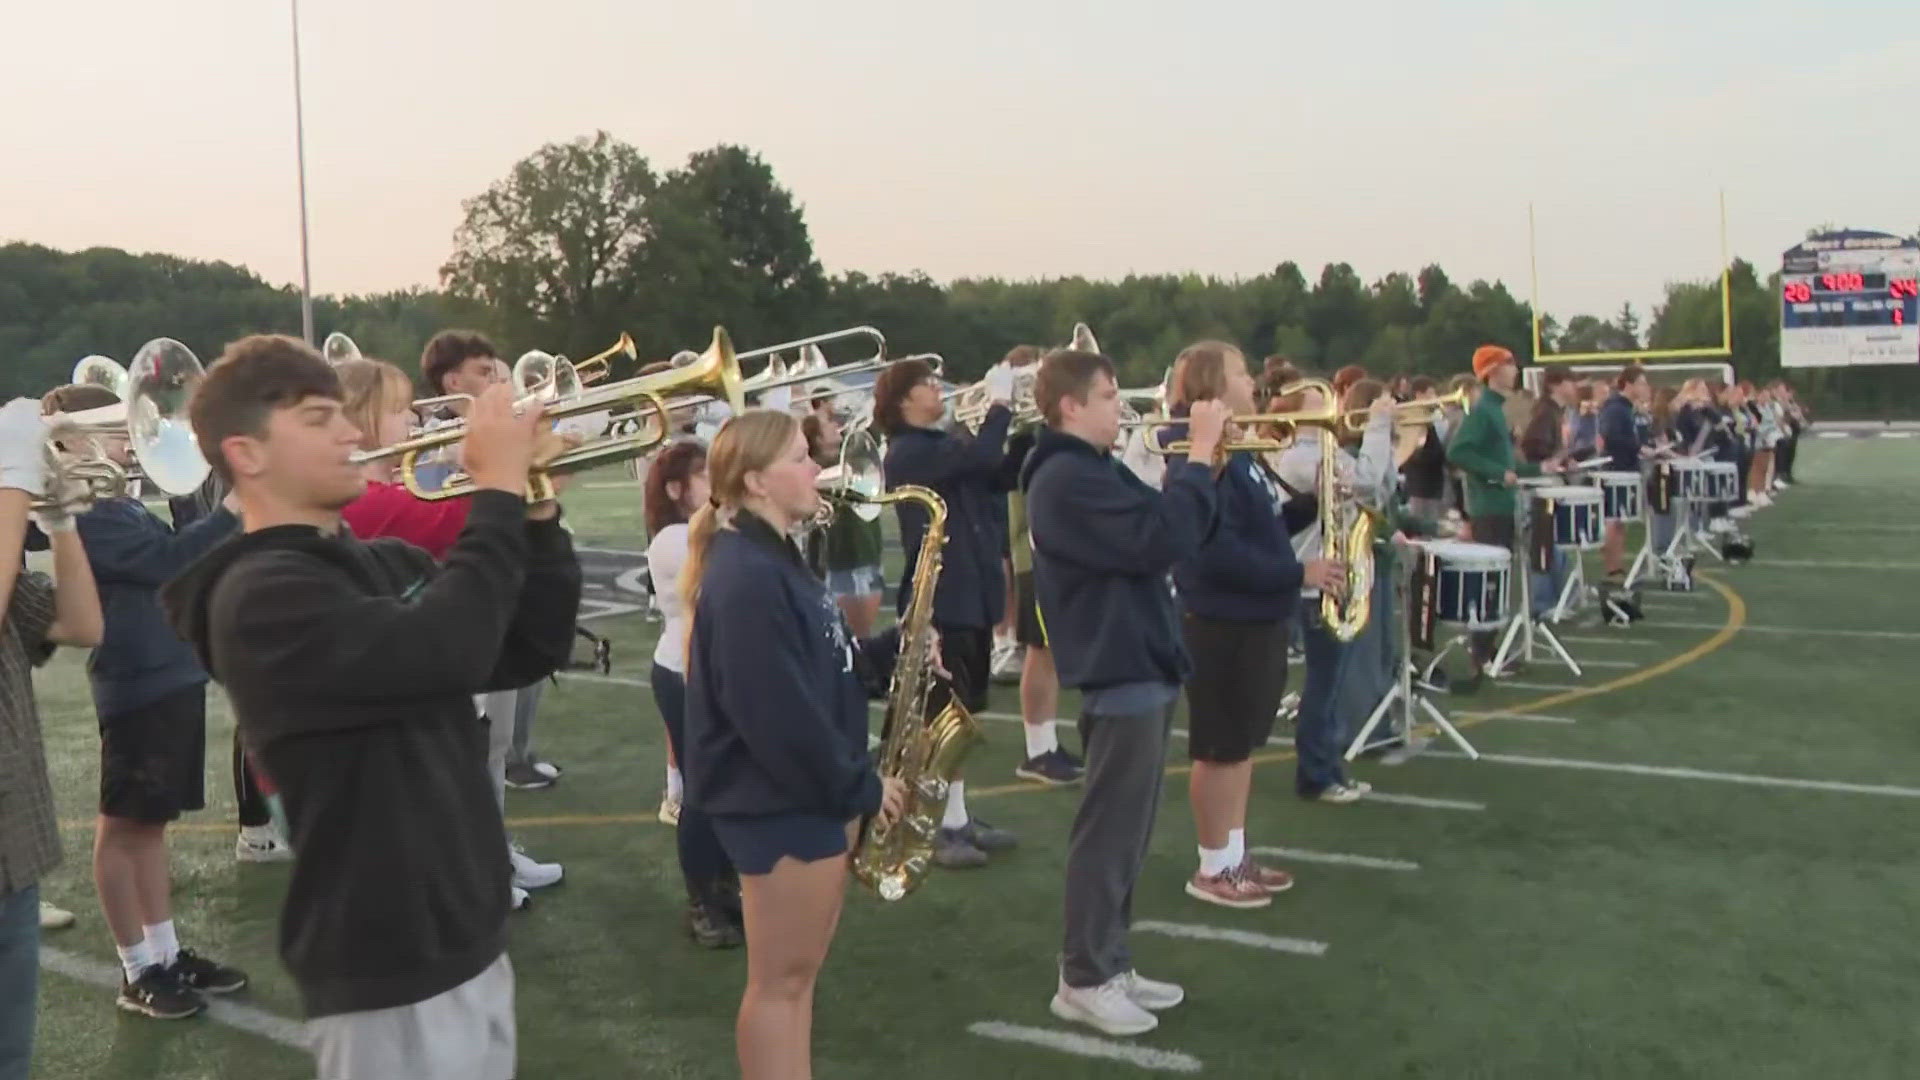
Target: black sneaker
x: 953, y: 850
x: 158, y: 993
x: 1052, y: 767
x: 714, y: 927
x: 197, y: 972
x: 527, y: 777
x: 987, y: 838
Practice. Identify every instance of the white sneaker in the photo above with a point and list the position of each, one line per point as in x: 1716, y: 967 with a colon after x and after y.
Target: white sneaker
x: 261, y: 847
x: 547, y: 769
x: 528, y: 874
x: 1008, y: 656
x: 1339, y: 794
x: 54, y: 918
x: 521, y: 898
x: 1106, y: 1008
x: 1360, y: 787
x: 669, y: 810
x: 1150, y: 994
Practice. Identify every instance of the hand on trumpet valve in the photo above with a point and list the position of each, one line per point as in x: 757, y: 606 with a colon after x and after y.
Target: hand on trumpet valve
x: 1381, y: 406
x: 499, y: 447
x: 1206, y: 424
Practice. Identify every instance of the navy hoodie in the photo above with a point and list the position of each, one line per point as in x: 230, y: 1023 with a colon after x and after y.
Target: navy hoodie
x: 1103, y: 545
x: 1246, y: 571
x: 352, y: 668
x: 777, y: 688
x: 971, y: 593
x: 1619, y: 434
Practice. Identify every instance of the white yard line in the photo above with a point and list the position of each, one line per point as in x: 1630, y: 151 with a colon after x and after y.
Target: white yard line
x: 1567, y: 639
x: 1827, y: 564
x: 246, y: 1018
x: 1336, y: 858
x: 1585, y: 663
x: 1675, y: 772
x: 1068, y: 1042
x: 591, y: 608
x: 1196, y: 932
x: 1553, y: 688
x: 1534, y: 718
x: 1422, y: 800
x: 1797, y: 631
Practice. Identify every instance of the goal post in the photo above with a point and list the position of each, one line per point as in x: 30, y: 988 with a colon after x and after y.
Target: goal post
x: 1623, y: 356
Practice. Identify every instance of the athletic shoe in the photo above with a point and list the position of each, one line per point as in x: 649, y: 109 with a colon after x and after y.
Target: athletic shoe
x: 1229, y: 889
x: 546, y: 768
x: 520, y: 900
x: 261, y: 849
x: 1152, y: 994
x: 1053, y: 767
x: 528, y: 874
x: 1106, y: 1007
x: 196, y: 972
x: 714, y: 927
x: 669, y: 810
x: 953, y: 850
x: 1268, y: 878
x: 524, y: 777
x: 1338, y: 794
x: 160, y: 994
x: 1008, y: 658
x: 54, y: 918
x: 987, y: 838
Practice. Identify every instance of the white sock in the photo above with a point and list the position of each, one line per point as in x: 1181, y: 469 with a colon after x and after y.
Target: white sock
x: 1041, y: 739
x: 675, y: 786
x: 162, y: 943
x: 956, y: 816
x: 1215, y: 861
x: 134, y: 959
x: 1236, y: 846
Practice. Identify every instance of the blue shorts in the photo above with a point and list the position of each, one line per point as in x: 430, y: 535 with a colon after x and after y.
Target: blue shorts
x: 755, y: 842
x: 859, y: 581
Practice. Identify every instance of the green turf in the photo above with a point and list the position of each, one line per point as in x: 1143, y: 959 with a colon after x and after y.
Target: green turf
x: 1586, y: 924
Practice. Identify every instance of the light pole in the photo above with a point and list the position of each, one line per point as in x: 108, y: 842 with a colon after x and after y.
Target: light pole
x: 300, y: 149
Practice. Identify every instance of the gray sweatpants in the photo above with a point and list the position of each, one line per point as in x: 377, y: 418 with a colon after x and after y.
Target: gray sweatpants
x: 466, y: 1033
x: 1126, y: 760
x: 526, y: 705
x: 498, y: 709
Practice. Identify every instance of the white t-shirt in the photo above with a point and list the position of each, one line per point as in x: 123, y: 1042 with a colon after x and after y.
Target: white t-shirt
x: 665, y: 557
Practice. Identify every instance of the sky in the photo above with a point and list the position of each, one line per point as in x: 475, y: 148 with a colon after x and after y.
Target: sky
x: 1013, y: 138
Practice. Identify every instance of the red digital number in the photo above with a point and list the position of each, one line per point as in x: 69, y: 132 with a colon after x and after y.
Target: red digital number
x: 1899, y: 316
x: 1842, y: 282
x: 1798, y: 292
x: 1903, y: 287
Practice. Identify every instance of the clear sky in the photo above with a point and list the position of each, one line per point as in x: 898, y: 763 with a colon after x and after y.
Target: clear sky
x: 1017, y: 138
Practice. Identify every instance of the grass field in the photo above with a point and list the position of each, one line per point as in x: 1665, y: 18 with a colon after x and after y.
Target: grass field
x: 1700, y: 865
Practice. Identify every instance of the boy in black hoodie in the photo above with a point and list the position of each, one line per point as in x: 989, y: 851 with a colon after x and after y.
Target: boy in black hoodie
x: 352, y: 668
x: 1103, y: 544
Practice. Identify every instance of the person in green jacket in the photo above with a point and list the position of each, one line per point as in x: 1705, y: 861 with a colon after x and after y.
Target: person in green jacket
x: 1490, y: 472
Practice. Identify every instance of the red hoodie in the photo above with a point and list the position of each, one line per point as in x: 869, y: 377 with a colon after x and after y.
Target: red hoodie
x: 390, y: 510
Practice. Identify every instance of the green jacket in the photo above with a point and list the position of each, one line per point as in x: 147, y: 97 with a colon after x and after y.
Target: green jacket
x: 1482, y: 449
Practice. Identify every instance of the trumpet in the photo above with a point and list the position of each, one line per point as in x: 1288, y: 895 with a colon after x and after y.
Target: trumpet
x: 338, y: 348
x: 537, y: 372
x: 969, y: 404
x: 152, y: 416
x: 855, y: 482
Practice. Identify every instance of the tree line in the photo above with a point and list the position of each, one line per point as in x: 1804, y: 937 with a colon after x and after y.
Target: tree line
x: 584, y: 240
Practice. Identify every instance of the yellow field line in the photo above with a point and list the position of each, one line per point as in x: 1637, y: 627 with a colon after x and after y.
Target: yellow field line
x: 1736, y: 618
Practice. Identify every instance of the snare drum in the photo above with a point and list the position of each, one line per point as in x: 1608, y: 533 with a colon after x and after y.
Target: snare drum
x: 1576, y: 515
x: 1471, y: 585
x: 1689, y: 479
x: 1723, y: 481
x: 1619, y: 495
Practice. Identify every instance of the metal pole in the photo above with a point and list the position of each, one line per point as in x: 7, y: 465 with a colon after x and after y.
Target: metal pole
x: 300, y: 147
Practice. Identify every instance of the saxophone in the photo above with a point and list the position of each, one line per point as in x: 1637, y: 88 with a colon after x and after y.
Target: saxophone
x: 923, y: 751
x: 1346, y: 534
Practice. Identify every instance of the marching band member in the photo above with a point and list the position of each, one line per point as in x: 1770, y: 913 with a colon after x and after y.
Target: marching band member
x: 967, y: 603
x: 1103, y: 544
x: 1482, y: 449
x: 37, y: 616
x: 151, y: 700
x: 1542, y: 445
x: 1047, y: 761
x: 849, y: 548
x: 1424, y: 473
x: 1237, y: 593
x: 352, y: 668
x: 1622, y: 443
x: 776, y: 726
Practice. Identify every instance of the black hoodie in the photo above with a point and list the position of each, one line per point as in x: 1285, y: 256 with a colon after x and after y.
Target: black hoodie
x: 1103, y: 544
x: 352, y: 668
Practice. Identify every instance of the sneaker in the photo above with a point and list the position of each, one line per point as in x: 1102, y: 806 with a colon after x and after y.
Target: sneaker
x: 1360, y: 786
x: 1150, y: 994
x: 196, y: 972
x: 1229, y: 889
x: 528, y: 874
x: 546, y: 768
x: 159, y: 994
x: 1268, y: 878
x: 953, y: 850
x: 524, y: 777
x: 521, y: 899
x: 257, y: 849
x: 669, y: 810
x: 54, y: 918
x: 1338, y: 794
x: 1007, y: 660
x: 1106, y: 1008
x: 1054, y: 767
x: 987, y: 838
x: 714, y: 927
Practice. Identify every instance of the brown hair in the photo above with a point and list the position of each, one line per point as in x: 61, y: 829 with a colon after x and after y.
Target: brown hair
x: 1200, y: 372
x: 371, y: 389
x: 1553, y: 377
x: 676, y: 464
x: 446, y: 351
x: 1066, y: 373
x: 747, y: 443
x: 253, y: 377
x: 1021, y: 356
x: 1362, y: 394
x: 1346, y: 377
x: 1420, y: 384
x: 1629, y: 375
x: 76, y: 397
x: 890, y: 391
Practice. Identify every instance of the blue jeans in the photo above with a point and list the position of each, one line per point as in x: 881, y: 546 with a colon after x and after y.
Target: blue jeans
x: 703, y: 863
x: 1319, y: 735
x: 19, y: 980
x: 1546, y: 586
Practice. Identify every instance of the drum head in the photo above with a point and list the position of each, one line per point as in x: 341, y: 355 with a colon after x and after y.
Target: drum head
x: 1568, y: 494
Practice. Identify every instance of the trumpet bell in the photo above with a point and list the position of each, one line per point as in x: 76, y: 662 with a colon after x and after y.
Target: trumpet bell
x: 160, y: 385
x: 856, y: 482
x: 545, y: 377
x: 338, y: 348
x: 102, y: 371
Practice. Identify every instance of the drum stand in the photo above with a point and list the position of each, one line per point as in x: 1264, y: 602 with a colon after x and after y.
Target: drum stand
x: 1405, y: 690
x: 1575, y: 588
x: 1523, y: 630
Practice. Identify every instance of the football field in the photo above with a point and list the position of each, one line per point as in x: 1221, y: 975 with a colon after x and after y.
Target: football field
x: 1695, y: 860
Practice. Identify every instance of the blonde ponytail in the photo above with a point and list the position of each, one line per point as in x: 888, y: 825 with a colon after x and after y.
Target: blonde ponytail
x: 749, y: 442
x: 706, y: 522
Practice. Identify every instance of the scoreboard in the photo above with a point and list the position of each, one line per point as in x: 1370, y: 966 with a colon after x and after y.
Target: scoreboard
x: 1849, y: 298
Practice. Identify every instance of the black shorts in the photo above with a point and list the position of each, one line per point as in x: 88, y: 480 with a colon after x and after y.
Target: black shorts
x: 968, y: 656
x: 1239, y: 677
x: 757, y: 842
x: 153, y: 759
x: 1027, y: 627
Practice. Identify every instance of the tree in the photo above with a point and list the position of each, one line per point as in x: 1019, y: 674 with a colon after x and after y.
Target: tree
x: 1627, y: 327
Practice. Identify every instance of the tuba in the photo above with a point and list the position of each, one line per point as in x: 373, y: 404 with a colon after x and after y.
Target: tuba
x: 921, y: 749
